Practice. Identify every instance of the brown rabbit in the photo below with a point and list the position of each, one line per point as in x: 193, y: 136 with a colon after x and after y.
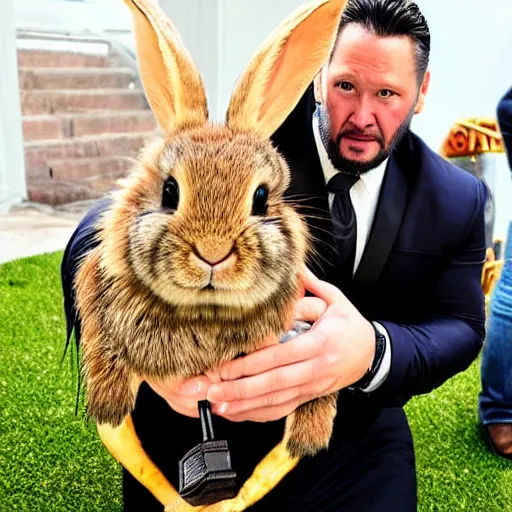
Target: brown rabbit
x: 199, y: 254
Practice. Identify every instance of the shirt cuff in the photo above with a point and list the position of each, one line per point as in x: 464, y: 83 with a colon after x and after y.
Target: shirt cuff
x: 385, y: 366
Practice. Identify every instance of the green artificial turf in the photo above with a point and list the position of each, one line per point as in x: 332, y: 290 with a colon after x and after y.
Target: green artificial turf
x: 52, y: 460
x: 456, y: 472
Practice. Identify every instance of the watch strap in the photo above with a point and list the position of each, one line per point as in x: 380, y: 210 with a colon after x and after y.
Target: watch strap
x: 380, y: 349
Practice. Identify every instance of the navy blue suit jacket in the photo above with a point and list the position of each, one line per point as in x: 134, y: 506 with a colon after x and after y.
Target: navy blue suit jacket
x: 419, y: 277
x: 420, y: 274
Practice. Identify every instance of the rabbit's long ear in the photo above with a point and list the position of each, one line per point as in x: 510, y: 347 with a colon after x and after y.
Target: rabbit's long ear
x: 172, y: 82
x: 281, y: 70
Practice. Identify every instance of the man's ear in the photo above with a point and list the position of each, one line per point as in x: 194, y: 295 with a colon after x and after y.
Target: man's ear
x: 423, y: 92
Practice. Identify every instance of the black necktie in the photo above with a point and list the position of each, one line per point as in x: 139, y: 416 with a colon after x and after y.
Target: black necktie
x: 344, y: 225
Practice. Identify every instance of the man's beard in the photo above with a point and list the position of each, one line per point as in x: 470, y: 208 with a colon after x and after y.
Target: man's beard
x: 332, y: 147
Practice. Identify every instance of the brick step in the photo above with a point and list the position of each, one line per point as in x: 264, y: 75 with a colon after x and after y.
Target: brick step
x: 55, y: 192
x: 66, y: 169
x: 39, y: 153
x: 43, y: 128
x: 75, y: 78
x: 63, y: 59
x: 37, y: 102
x: 48, y: 126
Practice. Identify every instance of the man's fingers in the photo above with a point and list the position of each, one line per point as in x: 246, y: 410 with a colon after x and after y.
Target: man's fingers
x: 277, y: 379
x: 195, y: 387
x: 322, y: 289
x: 182, y: 404
x: 270, y: 400
x: 265, y: 413
x: 310, y: 309
x: 298, y: 349
x: 182, y: 395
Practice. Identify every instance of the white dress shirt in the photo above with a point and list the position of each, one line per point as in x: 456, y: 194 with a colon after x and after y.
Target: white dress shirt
x: 365, y: 196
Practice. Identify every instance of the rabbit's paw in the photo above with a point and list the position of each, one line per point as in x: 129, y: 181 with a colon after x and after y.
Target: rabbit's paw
x: 180, y: 505
x: 309, y: 427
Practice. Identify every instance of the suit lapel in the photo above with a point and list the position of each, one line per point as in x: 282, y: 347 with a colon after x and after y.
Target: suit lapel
x: 388, y: 218
x: 307, y: 191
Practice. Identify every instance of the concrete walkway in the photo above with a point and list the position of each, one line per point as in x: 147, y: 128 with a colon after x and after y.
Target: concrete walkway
x: 30, y: 229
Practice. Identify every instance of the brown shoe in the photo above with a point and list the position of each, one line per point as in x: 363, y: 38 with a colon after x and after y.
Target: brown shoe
x: 500, y: 436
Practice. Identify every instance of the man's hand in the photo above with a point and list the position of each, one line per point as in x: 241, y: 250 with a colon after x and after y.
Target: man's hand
x: 182, y: 395
x: 271, y: 383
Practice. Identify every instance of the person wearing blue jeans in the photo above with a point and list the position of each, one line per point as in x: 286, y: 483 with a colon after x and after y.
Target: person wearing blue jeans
x: 495, y: 401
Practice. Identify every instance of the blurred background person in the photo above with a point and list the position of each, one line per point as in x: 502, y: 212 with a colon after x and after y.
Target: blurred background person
x: 495, y: 401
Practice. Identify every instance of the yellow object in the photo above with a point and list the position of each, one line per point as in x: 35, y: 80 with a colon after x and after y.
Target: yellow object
x: 268, y: 473
x: 490, y: 275
x: 122, y: 442
x: 469, y: 137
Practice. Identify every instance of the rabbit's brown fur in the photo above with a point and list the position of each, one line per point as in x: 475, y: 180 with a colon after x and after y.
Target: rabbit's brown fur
x: 150, y: 305
x: 141, y: 292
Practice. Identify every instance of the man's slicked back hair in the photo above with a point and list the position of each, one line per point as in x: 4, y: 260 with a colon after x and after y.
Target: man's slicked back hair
x: 388, y: 18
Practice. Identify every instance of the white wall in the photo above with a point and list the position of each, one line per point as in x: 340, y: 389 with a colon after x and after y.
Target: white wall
x: 471, y: 62
x: 221, y: 36
x: 471, y: 65
x: 199, y: 26
x: 247, y: 23
x: 92, y: 15
x: 12, y: 167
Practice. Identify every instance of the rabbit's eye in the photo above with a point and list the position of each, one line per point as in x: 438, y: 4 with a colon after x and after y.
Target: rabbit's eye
x: 259, y: 202
x: 170, y: 194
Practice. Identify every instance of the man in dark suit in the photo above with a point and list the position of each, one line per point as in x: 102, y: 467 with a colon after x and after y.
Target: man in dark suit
x: 400, y: 232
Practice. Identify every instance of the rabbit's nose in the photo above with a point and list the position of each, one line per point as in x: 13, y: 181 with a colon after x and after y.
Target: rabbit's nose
x: 213, y: 251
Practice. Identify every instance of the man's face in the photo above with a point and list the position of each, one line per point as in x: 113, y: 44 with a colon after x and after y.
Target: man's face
x: 369, y: 95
